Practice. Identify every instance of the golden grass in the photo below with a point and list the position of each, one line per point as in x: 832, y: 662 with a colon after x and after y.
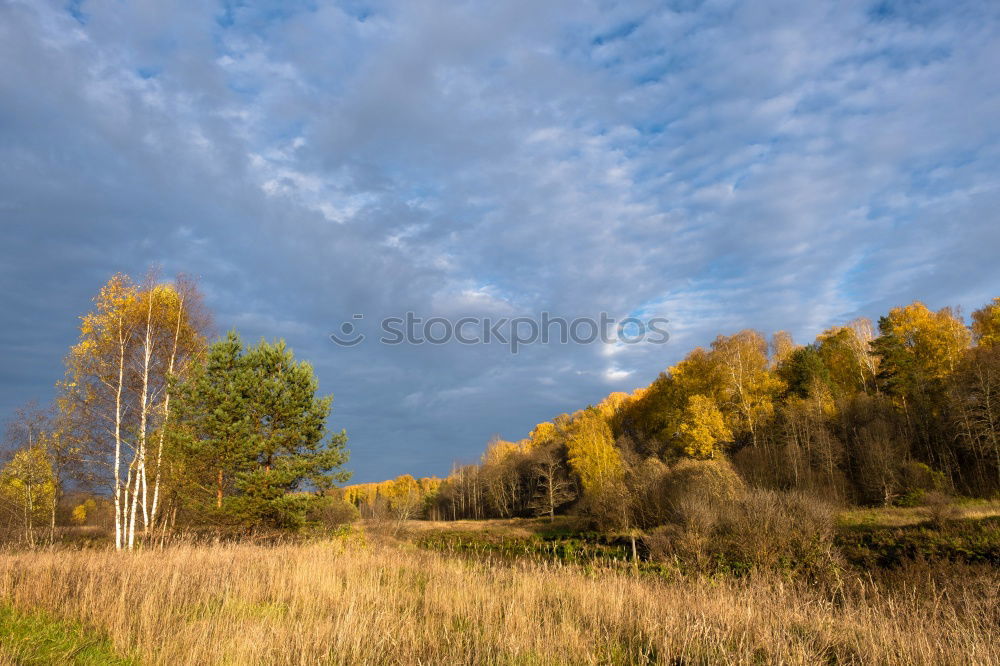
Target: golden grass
x: 507, y: 527
x: 348, y: 602
x: 895, y: 516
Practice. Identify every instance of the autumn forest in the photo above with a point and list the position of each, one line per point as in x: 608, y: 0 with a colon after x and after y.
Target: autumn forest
x: 843, y: 481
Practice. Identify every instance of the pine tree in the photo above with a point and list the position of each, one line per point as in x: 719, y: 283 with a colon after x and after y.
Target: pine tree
x: 253, y: 429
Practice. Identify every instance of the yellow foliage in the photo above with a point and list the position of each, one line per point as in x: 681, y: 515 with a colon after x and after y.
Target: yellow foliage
x: 698, y: 373
x: 498, y: 450
x: 937, y: 340
x: 592, y: 453
x: 543, y: 434
x: 703, y: 430
x: 79, y: 515
x: 986, y: 324
x: 738, y: 378
x: 782, y: 346
x: 402, y: 489
x: 28, y: 483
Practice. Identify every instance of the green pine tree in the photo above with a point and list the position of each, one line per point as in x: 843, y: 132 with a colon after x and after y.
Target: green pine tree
x: 251, y: 429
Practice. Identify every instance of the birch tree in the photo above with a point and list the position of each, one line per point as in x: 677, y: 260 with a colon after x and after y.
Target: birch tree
x: 27, y: 487
x: 37, y: 427
x: 116, y: 392
x: 554, y: 487
x: 748, y: 386
x: 974, y: 406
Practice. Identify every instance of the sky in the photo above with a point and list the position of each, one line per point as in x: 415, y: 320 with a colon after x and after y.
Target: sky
x: 776, y: 164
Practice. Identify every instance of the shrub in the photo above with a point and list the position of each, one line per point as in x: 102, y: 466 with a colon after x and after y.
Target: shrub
x: 940, y: 508
x: 691, y: 484
x: 691, y: 497
x: 715, y: 520
x: 915, y: 481
x: 777, y: 530
x: 332, y: 512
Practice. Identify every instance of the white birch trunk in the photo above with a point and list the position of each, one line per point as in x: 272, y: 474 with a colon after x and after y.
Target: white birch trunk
x: 140, y: 486
x: 132, y: 502
x: 119, y: 515
x: 166, y: 413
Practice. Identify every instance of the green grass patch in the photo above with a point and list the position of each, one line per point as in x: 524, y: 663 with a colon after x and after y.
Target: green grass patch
x: 36, y: 638
x: 967, y: 541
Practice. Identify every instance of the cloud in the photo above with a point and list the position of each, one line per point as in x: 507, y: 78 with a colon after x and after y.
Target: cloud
x: 777, y: 165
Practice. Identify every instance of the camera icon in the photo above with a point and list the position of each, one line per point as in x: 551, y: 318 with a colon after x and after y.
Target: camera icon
x: 348, y: 336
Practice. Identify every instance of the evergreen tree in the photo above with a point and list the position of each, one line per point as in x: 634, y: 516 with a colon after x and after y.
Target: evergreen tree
x: 252, y: 429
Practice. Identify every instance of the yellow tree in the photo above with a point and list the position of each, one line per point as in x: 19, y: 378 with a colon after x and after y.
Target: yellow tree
x: 986, y: 324
x: 33, y: 426
x: 95, y: 393
x: 174, y: 326
x: 501, y: 475
x: 28, y: 485
x: 612, y: 410
x: 653, y: 415
x: 597, y: 463
x: 116, y: 391
x: 930, y: 343
x: 592, y: 454
x: 845, y: 351
x: 700, y: 373
x: 782, y: 346
x: 748, y: 386
x: 918, y: 351
x: 543, y: 434
x: 864, y: 334
x: 703, y: 430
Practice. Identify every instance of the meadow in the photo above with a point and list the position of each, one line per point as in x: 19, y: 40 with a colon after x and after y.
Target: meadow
x: 357, y: 598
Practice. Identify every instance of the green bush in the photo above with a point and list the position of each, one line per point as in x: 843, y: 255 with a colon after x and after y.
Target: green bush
x: 332, y: 512
x: 915, y: 481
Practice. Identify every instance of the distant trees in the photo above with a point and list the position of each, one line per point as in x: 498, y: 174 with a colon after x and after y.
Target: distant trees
x: 974, y: 410
x: 28, y: 490
x: 855, y: 416
x: 395, y: 501
x: 174, y: 428
x: 35, y: 439
x: 986, y: 324
x: 918, y: 350
x: 747, y: 384
x: 502, y: 476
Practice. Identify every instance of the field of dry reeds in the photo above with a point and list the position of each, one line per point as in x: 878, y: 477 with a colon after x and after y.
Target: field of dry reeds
x: 347, y: 601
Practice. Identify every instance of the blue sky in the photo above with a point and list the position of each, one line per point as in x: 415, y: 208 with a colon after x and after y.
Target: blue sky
x: 775, y: 164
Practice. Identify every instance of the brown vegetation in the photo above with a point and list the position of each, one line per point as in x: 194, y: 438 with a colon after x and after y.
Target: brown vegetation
x: 346, y: 602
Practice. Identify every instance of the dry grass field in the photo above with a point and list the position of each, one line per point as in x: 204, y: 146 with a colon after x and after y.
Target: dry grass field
x: 349, y: 601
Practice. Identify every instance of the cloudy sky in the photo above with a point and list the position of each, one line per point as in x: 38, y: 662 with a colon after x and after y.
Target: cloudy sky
x: 775, y: 164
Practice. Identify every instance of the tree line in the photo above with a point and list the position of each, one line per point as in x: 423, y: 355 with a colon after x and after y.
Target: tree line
x: 162, y: 428
x: 863, y: 415
x: 153, y: 427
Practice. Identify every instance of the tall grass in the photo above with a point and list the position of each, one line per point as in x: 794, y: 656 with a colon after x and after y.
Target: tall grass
x: 348, y: 602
